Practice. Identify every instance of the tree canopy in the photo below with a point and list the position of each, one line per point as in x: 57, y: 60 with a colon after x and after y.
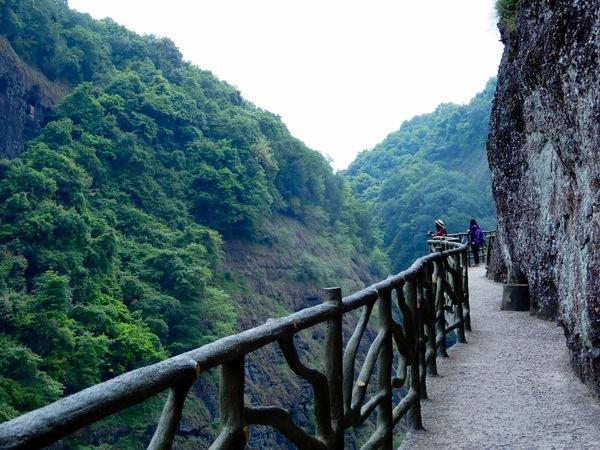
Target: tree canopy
x: 434, y: 166
x: 113, y: 218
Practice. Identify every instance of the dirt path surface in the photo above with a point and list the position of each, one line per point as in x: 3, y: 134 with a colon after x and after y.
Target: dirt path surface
x: 510, y: 387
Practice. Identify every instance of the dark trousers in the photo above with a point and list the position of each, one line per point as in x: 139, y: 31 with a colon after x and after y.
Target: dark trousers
x: 475, y: 251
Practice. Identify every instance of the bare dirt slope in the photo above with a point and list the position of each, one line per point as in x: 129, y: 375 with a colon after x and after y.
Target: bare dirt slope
x: 510, y: 387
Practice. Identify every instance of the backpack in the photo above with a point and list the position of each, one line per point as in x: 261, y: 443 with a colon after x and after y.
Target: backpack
x: 479, y: 238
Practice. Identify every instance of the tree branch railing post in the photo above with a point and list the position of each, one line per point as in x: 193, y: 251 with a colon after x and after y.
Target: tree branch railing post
x: 440, y: 309
x: 234, y: 431
x: 384, y: 371
x: 430, y: 294
x: 453, y: 270
x: 415, y: 422
x: 430, y: 322
x: 464, y: 287
x: 420, y: 333
x: 334, y: 368
x: 171, y: 416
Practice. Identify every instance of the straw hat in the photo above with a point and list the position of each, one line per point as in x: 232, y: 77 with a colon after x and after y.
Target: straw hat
x: 439, y: 222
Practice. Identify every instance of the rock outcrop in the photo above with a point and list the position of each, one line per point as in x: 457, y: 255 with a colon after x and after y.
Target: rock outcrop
x: 544, y: 153
x: 26, y: 101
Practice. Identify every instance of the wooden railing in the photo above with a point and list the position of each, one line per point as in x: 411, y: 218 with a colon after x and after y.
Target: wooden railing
x: 485, y: 249
x: 432, y: 300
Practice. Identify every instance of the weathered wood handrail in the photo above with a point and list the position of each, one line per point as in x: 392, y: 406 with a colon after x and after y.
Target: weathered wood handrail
x: 432, y: 300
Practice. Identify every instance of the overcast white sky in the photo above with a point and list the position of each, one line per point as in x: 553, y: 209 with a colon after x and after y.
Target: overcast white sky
x: 342, y: 74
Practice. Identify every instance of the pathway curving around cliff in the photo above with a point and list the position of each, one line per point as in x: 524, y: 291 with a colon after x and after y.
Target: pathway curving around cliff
x: 510, y: 387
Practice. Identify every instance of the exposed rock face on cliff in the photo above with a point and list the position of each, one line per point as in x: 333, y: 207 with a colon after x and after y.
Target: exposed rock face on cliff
x: 544, y: 153
x: 26, y: 100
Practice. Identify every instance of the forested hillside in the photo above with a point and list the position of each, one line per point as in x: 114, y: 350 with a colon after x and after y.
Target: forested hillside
x: 113, y: 220
x: 434, y: 166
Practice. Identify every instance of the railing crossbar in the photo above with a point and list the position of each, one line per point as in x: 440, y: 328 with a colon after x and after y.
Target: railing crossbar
x: 422, y: 291
x: 454, y: 326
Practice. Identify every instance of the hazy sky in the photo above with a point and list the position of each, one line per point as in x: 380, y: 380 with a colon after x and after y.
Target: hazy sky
x: 342, y: 74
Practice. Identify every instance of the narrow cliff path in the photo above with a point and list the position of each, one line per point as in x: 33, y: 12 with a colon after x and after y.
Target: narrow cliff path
x: 510, y: 387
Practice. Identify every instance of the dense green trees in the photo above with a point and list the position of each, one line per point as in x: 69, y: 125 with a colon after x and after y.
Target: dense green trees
x: 111, y: 222
x: 434, y: 166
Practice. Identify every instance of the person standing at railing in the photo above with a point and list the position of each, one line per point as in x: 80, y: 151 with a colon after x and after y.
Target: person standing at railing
x: 476, y: 240
x: 440, y: 229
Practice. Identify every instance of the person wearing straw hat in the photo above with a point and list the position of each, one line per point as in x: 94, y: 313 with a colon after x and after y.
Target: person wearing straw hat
x: 440, y: 229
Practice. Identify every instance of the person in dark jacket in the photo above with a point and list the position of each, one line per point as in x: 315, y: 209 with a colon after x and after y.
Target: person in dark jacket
x: 440, y: 229
x: 476, y: 240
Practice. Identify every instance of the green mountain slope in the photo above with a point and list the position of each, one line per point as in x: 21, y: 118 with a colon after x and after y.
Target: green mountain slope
x: 114, y: 219
x: 434, y: 166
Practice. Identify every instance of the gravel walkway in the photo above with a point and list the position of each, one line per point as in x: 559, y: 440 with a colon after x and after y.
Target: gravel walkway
x: 510, y: 387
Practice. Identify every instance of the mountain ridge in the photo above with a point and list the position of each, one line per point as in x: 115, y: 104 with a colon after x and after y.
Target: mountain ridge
x: 117, y: 217
x: 435, y: 164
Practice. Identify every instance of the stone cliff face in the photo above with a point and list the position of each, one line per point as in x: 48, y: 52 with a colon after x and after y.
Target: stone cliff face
x: 26, y: 101
x: 544, y: 153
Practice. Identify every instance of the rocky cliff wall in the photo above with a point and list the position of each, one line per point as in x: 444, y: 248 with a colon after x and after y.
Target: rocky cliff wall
x: 544, y: 153
x: 26, y: 101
